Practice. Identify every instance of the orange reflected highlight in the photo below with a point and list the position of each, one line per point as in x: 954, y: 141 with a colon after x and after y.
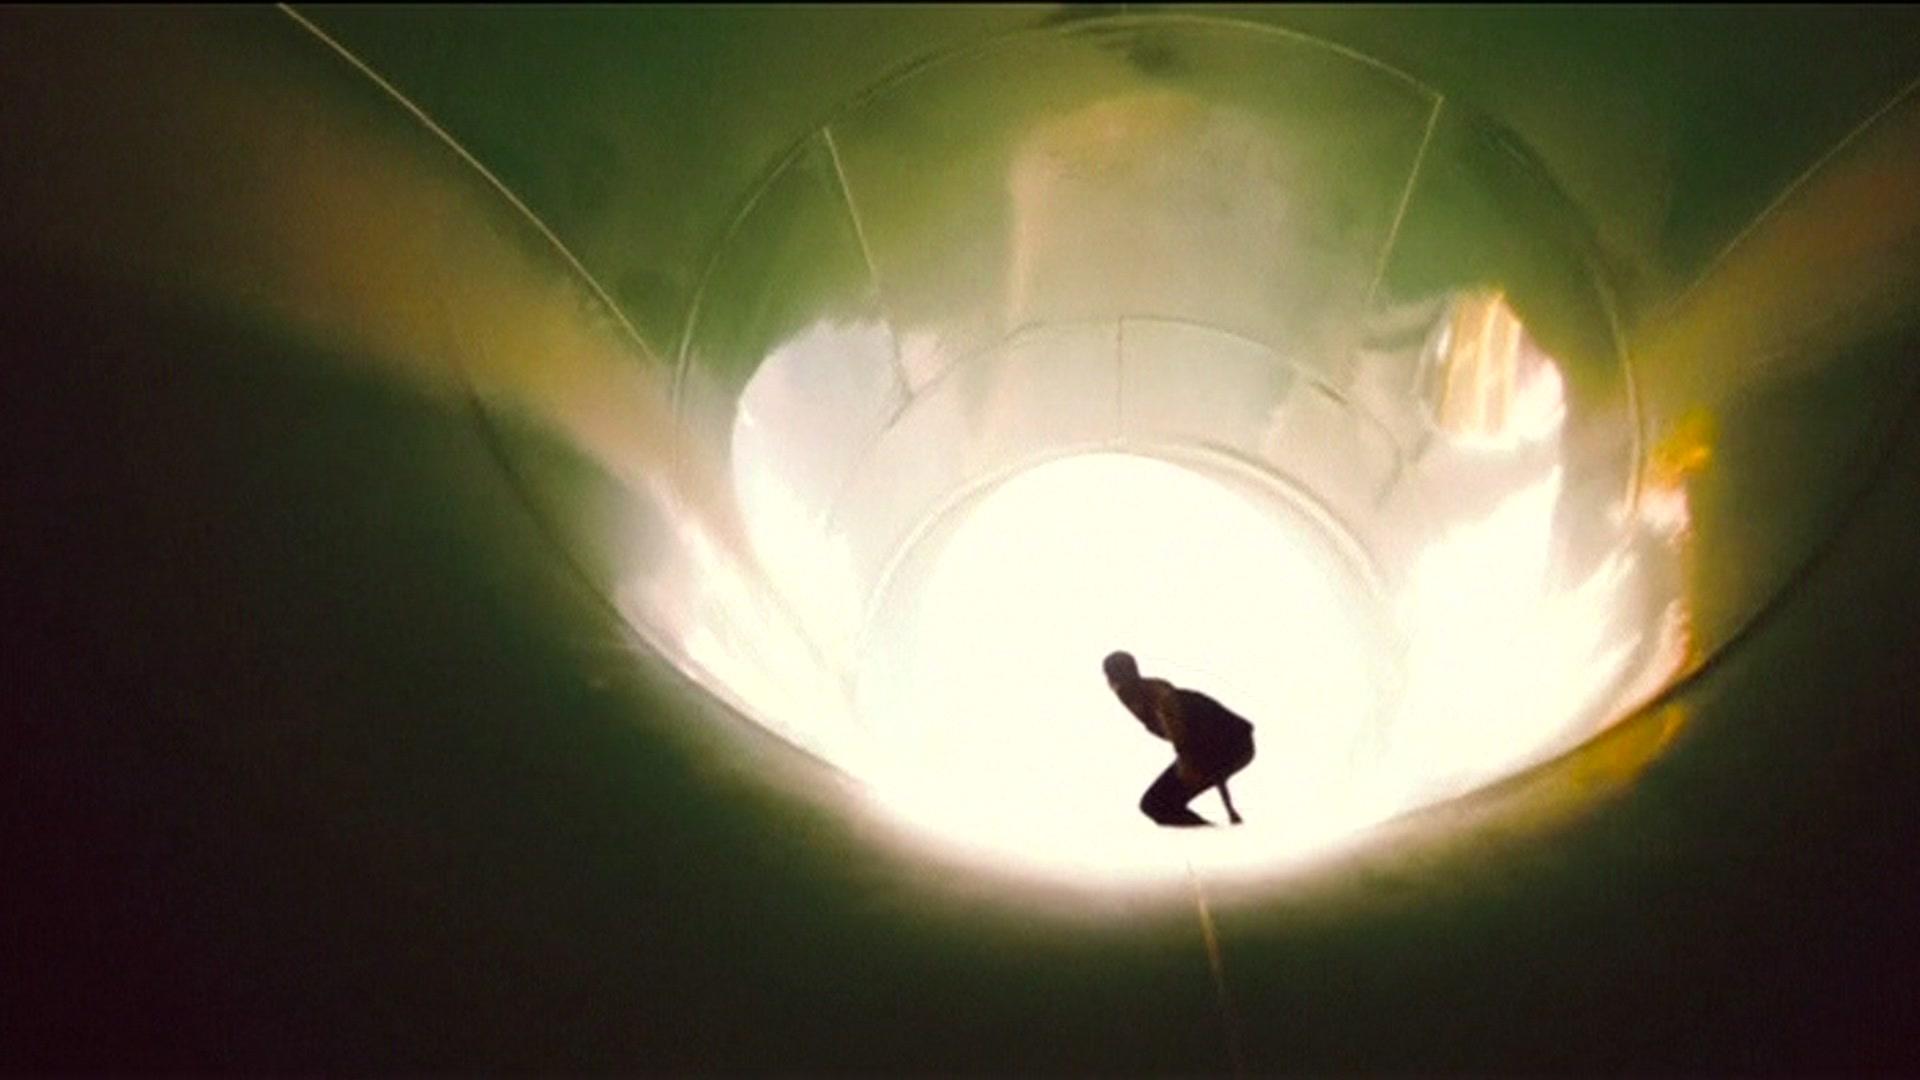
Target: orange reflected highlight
x: 1492, y: 387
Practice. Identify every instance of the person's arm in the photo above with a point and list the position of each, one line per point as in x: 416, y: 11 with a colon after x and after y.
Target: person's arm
x: 1226, y: 798
x: 1154, y: 693
x: 1140, y: 707
x: 1168, y: 716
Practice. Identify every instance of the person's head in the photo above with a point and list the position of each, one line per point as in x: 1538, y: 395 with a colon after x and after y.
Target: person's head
x: 1121, y: 670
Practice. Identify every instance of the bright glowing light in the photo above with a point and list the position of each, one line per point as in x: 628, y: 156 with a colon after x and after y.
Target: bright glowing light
x: 748, y: 646
x: 998, y: 731
x: 963, y: 688
x: 1493, y: 387
x: 1500, y: 668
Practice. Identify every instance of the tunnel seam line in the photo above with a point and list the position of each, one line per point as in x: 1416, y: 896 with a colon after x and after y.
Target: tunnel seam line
x: 688, y: 670
x: 1623, y: 355
x: 1793, y: 188
x: 951, y: 370
x: 1123, y: 443
x: 682, y: 357
x: 1170, y: 452
x: 420, y: 114
x: 1764, y: 615
x: 864, y: 455
x: 1216, y: 966
x: 1406, y: 199
x: 919, y: 67
x: 857, y: 469
x: 482, y: 416
x: 647, y: 635
x: 866, y: 253
x: 692, y: 676
x: 1400, y: 463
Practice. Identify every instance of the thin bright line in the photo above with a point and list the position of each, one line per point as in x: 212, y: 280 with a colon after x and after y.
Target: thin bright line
x: 498, y: 185
x: 1406, y: 198
x: 866, y: 254
x: 1218, y: 967
x: 643, y: 629
x: 1791, y: 190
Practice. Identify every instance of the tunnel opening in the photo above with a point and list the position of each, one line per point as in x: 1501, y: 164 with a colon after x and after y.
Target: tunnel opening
x: 980, y: 674
x: 1301, y: 281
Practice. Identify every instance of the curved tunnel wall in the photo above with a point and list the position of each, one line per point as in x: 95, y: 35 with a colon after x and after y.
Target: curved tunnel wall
x: 144, y: 201
x: 1169, y: 235
x: 1615, y: 127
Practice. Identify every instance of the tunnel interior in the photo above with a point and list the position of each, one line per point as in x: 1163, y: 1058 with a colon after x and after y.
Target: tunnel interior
x: 586, y: 538
x: 1284, y: 269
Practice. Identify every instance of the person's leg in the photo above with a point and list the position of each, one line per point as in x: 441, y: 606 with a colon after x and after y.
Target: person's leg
x: 1166, y: 800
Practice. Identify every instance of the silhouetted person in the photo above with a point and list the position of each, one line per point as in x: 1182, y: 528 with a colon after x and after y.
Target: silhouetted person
x: 1210, y: 742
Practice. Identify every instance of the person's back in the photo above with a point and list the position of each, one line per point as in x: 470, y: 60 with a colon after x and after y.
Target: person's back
x: 1210, y: 741
x: 1214, y: 733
